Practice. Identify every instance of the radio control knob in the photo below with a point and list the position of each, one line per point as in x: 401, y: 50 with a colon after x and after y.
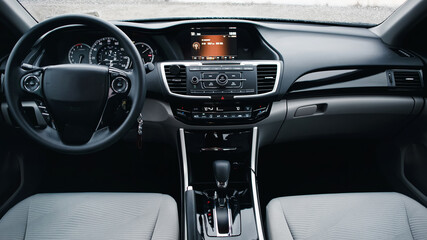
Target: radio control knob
x: 222, y: 79
x: 195, y: 80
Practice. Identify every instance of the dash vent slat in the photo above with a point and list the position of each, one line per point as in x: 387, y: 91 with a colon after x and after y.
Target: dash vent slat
x: 266, y: 77
x: 177, y: 82
x: 407, y: 79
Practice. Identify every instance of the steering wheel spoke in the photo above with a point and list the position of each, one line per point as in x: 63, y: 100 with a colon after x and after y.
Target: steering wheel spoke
x: 101, y: 133
x: 49, y: 133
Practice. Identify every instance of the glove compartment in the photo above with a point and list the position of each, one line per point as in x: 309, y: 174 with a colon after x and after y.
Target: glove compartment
x: 347, y: 117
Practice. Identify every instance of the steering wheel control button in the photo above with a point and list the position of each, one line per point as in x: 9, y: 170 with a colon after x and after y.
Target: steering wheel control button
x: 31, y: 83
x: 222, y: 79
x: 120, y: 85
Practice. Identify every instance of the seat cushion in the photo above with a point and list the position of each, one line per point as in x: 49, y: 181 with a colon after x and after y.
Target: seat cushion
x: 92, y: 216
x: 358, y: 216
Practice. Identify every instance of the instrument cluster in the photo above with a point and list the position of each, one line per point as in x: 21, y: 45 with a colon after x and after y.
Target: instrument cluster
x: 109, y: 52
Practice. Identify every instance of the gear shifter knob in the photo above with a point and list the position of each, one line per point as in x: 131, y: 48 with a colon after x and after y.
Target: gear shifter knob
x: 221, y: 170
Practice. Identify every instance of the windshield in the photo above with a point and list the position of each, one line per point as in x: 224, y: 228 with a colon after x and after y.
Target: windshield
x: 369, y: 12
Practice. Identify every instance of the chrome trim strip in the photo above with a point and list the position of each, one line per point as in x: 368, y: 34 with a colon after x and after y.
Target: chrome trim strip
x: 217, y: 149
x: 253, y: 150
x: 213, y: 80
x: 185, y: 176
x: 193, y: 63
x: 184, y: 157
x: 230, y: 218
x: 254, y: 185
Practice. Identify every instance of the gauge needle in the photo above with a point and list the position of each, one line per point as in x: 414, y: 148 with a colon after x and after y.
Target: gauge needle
x: 145, y: 50
x: 81, y: 58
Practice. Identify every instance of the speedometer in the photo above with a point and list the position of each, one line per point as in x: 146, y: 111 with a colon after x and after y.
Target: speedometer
x: 107, y: 51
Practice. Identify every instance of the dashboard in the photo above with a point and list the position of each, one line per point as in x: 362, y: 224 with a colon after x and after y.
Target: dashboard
x: 235, y: 73
x: 286, y: 81
x: 205, y: 42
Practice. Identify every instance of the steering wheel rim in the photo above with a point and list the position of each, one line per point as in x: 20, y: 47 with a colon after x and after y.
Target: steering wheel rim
x: 48, y: 137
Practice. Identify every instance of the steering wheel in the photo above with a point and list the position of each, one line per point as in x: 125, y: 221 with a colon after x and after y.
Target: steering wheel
x: 76, y: 95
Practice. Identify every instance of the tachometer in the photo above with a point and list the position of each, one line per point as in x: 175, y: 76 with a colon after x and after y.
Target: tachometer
x: 79, y: 53
x: 107, y: 51
x: 145, y: 51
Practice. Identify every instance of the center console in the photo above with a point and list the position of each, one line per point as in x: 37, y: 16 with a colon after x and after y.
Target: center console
x: 221, y: 199
x: 219, y: 84
x: 226, y: 92
x: 221, y: 80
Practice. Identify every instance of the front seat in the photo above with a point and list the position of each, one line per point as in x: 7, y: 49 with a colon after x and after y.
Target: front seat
x: 92, y: 216
x: 361, y: 216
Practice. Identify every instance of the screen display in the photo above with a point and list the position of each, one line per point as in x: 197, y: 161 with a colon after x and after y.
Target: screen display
x: 214, y: 43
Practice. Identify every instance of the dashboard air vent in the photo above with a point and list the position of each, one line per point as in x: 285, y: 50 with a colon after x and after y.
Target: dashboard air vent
x: 407, y: 79
x: 176, y: 77
x: 266, y: 77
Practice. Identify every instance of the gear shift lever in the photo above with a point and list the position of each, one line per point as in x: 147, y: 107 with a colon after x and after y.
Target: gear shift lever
x: 221, y: 170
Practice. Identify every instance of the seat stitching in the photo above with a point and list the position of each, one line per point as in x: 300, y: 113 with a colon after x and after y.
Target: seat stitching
x: 157, y: 218
x: 407, y: 217
x: 284, y: 216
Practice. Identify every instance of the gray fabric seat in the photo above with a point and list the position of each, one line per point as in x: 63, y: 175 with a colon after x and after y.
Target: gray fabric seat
x: 361, y: 216
x: 92, y: 216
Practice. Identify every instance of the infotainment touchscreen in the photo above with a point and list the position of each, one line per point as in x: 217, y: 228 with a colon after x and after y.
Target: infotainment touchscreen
x: 214, y: 43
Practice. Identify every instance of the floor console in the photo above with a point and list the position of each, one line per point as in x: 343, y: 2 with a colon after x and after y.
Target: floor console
x: 221, y: 200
